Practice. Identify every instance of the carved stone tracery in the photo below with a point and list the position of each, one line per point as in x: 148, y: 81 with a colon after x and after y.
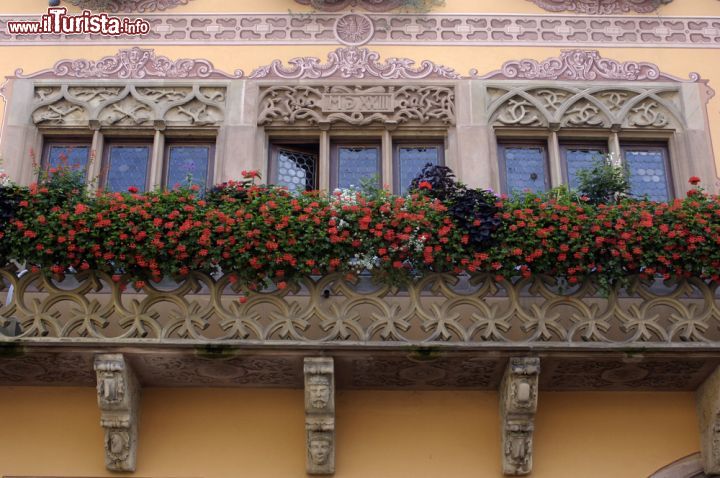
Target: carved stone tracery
x: 358, y: 105
x: 587, y: 106
x: 67, y: 105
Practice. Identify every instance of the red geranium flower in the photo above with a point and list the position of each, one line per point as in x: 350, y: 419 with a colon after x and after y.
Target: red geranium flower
x: 424, y: 185
x: 694, y: 180
x: 132, y: 189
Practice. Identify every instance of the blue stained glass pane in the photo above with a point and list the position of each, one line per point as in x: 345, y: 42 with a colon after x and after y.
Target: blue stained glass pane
x: 525, y: 169
x: 357, y: 164
x: 648, y: 176
x: 412, y: 160
x: 188, y: 165
x: 581, y: 158
x: 296, y: 170
x: 128, y: 167
x: 74, y: 157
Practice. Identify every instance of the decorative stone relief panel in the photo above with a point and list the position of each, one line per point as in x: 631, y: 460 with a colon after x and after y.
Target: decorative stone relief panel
x: 131, y: 105
x: 571, y: 30
x: 354, y: 62
x: 601, y: 7
x: 518, y: 404
x: 337, y: 5
x: 128, y: 6
x: 568, y: 106
x: 132, y: 63
x: 320, y: 415
x: 357, y: 105
x: 118, y: 398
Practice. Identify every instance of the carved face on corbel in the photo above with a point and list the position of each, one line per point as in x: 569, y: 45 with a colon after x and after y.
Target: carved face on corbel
x: 117, y: 444
x: 320, y: 447
x: 518, y: 446
x: 319, y: 391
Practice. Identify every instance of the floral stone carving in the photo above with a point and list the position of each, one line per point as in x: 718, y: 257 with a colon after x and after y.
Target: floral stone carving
x: 601, y: 7
x: 133, y: 63
x: 518, y: 404
x: 129, y: 6
x: 354, y: 29
x: 118, y: 394
x: 353, y: 62
x: 357, y: 105
x: 320, y: 415
x: 337, y: 5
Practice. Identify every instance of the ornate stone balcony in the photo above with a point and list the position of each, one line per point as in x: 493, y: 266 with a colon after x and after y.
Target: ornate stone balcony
x: 441, y: 332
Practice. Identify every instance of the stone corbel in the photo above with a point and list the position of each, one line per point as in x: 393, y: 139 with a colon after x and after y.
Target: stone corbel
x: 518, y: 404
x: 320, y: 415
x: 708, y: 411
x: 118, y: 393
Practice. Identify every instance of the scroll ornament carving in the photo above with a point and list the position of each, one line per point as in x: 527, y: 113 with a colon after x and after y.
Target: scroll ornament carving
x: 529, y: 105
x: 518, y: 403
x: 133, y: 63
x: 354, y: 62
x: 357, y: 105
x: 337, y: 5
x: 118, y: 394
x: 320, y: 414
x: 129, y: 6
x: 601, y: 7
x: 67, y: 105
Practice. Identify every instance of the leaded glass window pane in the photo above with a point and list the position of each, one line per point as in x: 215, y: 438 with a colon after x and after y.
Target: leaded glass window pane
x: 648, y: 174
x: 128, y: 166
x: 69, y: 156
x: 297, y: 170
x: 581, y: 158
x: 525, y: 168
x: 356, y: 164
x: 188, y: 165
x: 411, y: 160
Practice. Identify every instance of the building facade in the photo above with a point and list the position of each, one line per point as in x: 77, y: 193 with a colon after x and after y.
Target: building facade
x: 368, y: 382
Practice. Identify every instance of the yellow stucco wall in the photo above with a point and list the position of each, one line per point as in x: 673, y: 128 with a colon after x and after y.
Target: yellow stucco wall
x: 230, y: 433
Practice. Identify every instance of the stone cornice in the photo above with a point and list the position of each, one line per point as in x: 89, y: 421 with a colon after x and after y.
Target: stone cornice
x: 587, y: 31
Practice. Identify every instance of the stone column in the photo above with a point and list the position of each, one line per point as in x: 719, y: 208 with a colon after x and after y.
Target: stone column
x: 708, y: 411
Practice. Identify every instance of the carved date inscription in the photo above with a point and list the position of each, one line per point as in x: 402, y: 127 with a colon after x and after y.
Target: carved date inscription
x: 378, y: 102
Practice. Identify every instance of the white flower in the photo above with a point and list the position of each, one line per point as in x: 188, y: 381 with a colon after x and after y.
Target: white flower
x: 4, y: 178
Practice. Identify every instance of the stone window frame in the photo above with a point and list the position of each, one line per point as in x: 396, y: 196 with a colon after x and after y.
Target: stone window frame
x: 156, y: 132
x: 674, y: 136
x: 387, y: 134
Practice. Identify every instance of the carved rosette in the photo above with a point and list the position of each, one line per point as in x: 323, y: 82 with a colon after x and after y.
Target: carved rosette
x: 601, y: 7
x: 354, y: 29
x: 133, y: 63
x: 354, y: 62
x: 357, y: 105
x: 131, y: 105
x: 118, y: 393
x: 128, y: 6
x: 320, y: 415
x: 518, y: 404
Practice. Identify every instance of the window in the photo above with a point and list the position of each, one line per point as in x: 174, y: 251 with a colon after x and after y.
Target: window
x: 300, y: 166
x: 353, y: 164
x: 73, y: 155
x: 126, y: 165
x: 524, y: 167
x: 411, y: 158
x: 648, y: 169
x: 295, y: 166
x: 188, y: 164
x: 578, y: 156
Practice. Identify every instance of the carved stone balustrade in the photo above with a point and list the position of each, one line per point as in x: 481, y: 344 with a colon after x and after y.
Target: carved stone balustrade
x: 441, y: 332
